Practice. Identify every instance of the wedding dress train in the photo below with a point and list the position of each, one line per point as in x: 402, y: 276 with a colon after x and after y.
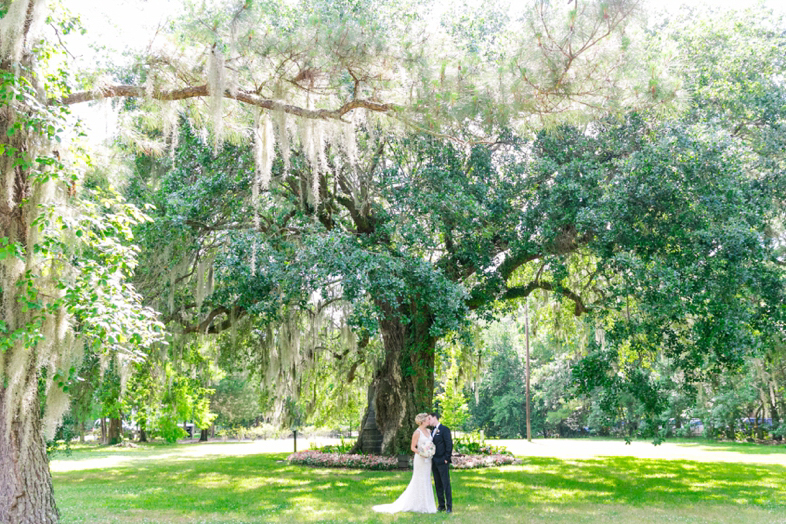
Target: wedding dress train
x: 418, y: 497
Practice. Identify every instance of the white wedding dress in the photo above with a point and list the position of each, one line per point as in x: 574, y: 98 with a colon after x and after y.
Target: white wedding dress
x: 418, y: 497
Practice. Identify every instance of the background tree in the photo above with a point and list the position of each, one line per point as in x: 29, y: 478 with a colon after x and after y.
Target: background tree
x: 65, y: 267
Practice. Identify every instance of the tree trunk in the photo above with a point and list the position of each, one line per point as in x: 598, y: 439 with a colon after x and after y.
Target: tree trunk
x: 402, y: 387
x: 776, y: 419
x: 142, y: 435
x: 26, y: 494
x: 760, y: 427
x: 115, y: 431
x: 729, y: 430
x: 203, y: 434
x: 38, y: 335
x: 104, y: 435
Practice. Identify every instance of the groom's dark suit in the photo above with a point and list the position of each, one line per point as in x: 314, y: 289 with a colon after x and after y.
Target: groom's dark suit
x: 440, y: 466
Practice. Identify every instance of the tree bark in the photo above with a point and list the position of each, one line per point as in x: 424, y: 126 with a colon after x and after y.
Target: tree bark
x: 115, y: 431
x: 26, y: 493
x: 403, y: 385
x: 203, y: 435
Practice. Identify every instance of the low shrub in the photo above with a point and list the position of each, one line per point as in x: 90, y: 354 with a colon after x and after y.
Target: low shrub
x: 169, y: 430
x: 475, y: 444
x: 343, y: 447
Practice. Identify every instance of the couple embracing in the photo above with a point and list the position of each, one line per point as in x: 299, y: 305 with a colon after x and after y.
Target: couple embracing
x: 433, y: 450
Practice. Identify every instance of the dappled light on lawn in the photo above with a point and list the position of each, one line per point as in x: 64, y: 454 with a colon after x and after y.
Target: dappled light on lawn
x: 178, y: 486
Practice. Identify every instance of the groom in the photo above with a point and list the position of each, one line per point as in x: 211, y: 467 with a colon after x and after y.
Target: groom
x: 440, y: 463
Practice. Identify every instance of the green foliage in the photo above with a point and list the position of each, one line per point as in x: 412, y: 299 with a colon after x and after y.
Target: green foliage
x: 143, y: 393
x: 235, y: 401
x: 345, y: 446
x: 499, y: 409
x: 108, y: 394
x: 475, y: 444
x: 453, y: 407
x: 168, y: 429
x: 89, y: 251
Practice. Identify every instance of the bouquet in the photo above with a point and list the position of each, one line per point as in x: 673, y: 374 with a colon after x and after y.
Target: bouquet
x: 426, y: 449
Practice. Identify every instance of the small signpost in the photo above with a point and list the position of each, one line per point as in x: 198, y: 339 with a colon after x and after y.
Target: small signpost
x: 526, y: 322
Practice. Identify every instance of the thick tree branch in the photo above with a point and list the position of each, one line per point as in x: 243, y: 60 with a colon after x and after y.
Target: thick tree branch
x: 524, y: 291
x: 513, y: 262
x: 207, y: 327
x: 247, y: 97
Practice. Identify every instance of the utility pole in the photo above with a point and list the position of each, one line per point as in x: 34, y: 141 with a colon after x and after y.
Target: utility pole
x: 526, y: 325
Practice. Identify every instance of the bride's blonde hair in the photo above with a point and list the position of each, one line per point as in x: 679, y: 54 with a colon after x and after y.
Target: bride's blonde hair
x: 420, y: 417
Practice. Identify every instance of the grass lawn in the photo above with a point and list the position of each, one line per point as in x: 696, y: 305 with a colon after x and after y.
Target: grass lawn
x: 235, y: 483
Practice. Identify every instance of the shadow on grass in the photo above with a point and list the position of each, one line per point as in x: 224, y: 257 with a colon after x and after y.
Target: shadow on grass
x: 263, y: 488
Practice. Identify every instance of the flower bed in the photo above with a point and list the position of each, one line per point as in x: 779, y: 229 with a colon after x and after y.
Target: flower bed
x: 342, y: 460
x: 481, y: 461
x: 378, y: 462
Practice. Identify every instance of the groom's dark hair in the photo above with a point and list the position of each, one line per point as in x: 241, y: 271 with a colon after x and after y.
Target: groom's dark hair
x: 434, y: 414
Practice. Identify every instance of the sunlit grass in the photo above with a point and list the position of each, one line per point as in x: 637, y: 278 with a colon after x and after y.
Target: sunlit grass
x: 157, y: 484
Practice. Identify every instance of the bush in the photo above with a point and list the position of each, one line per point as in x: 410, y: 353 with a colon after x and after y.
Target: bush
x: 343, y: 447
x: 475, y: 444
x: 169, y: 430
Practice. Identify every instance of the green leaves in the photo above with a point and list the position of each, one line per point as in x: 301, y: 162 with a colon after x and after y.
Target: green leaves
x: 11, y: 249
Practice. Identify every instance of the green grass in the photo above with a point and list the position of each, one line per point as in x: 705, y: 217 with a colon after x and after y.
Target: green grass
x: 750, y: 448
x: 167, y: 484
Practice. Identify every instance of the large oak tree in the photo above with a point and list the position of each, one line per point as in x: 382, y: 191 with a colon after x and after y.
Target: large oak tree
x: 317, y: 62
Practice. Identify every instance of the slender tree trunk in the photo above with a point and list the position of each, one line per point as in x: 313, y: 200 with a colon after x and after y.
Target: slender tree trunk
x: 104, y: 434
x: 26, y: 494
x: 776, y: 419
x: 403, y: 386
x: 759, y: 427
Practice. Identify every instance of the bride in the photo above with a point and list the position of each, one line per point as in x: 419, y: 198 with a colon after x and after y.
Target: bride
x: 418, y: 497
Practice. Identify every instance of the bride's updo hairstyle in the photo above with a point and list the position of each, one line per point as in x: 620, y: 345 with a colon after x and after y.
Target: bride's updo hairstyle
x: 420, y: 418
